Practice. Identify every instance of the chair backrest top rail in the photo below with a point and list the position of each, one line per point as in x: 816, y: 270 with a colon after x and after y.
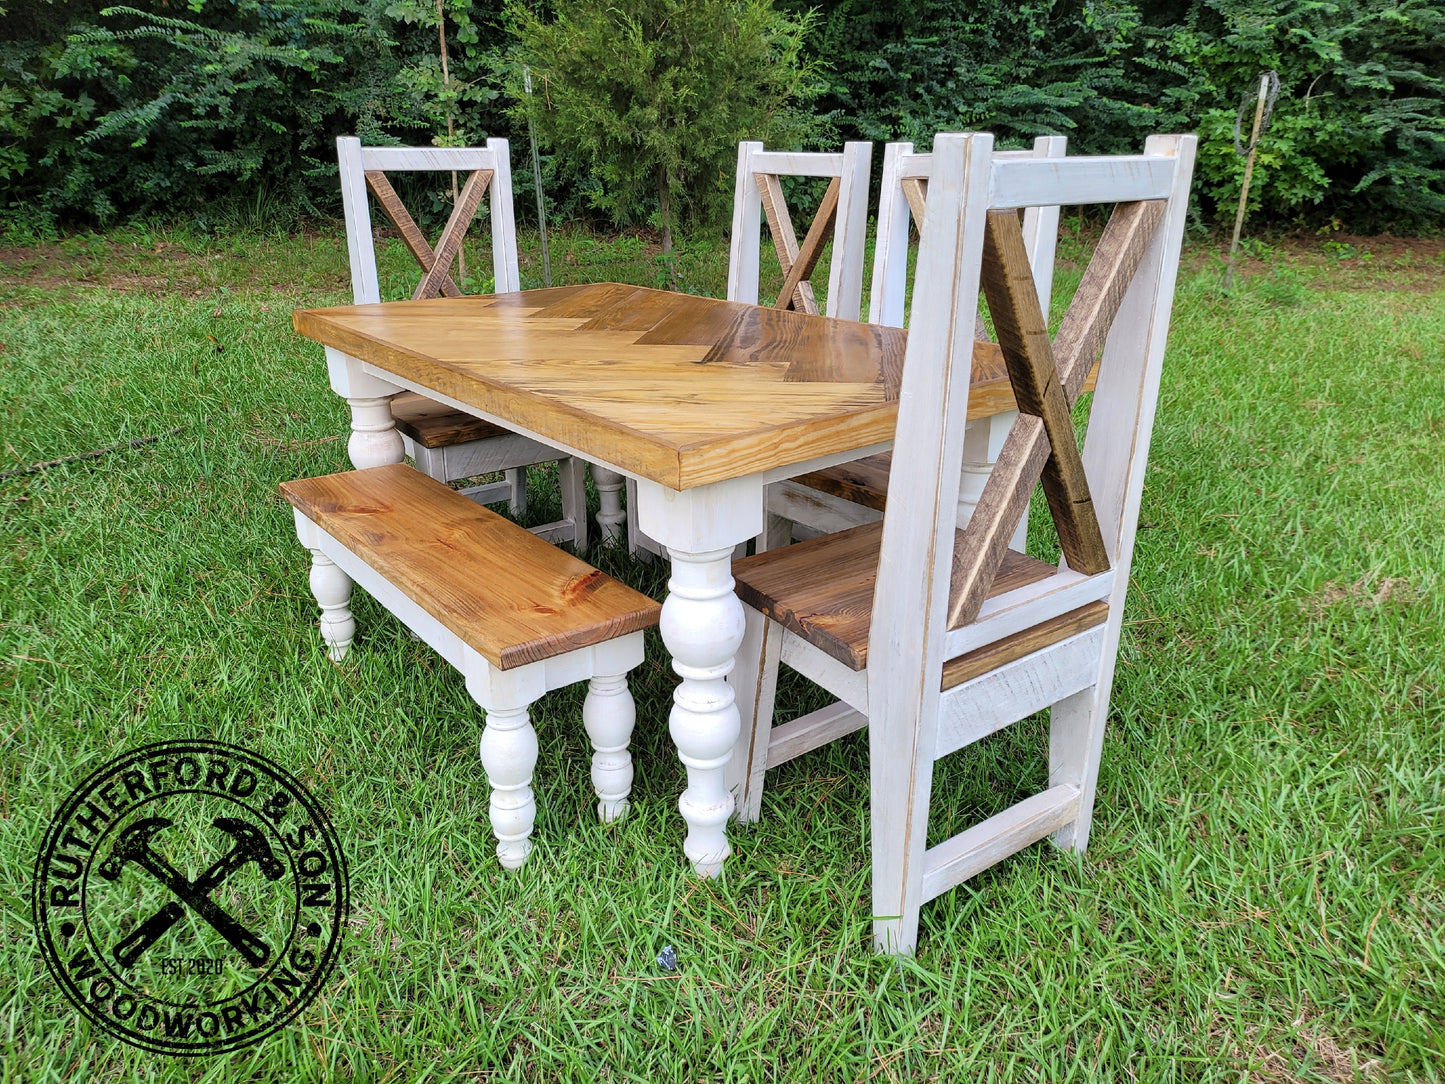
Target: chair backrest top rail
x: 1041, y: 182
x: 798, y: 163
x: 430, y: 158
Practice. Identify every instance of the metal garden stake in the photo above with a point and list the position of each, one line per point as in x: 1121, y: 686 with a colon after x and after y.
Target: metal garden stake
x: 1263, y: 109
x: 537, y: 178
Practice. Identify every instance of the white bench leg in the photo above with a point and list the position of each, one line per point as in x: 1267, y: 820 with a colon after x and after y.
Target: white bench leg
x: 609, y: 713
x: 509, y: 753
x: 332, y: 589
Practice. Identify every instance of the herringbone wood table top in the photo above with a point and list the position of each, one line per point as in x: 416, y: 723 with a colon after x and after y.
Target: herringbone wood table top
x: 682, y: 390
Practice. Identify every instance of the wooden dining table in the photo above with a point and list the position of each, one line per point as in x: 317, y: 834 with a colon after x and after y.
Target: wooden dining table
x: 703, y: 402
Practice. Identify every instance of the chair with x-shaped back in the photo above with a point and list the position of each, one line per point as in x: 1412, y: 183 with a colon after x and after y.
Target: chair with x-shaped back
x: 445, y: 443
x: 934, y: 636
x: 841, y: 216
x: 854, y: 493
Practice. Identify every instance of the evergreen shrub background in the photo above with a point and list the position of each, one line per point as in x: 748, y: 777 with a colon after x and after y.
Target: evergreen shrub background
x: 224, y: 112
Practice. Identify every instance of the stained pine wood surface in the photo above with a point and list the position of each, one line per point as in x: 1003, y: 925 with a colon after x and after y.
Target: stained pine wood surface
x: 1010, y: 648
x: 683, y: 390
x: 436, y: 425
x: 1027, y: 449
x: 505, y: 592
x: 822, y: 589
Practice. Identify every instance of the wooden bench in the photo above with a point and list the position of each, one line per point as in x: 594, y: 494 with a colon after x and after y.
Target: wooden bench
x: 517, y: 616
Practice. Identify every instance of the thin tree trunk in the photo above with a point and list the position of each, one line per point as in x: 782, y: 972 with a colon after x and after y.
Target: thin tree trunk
x: 664, y: 207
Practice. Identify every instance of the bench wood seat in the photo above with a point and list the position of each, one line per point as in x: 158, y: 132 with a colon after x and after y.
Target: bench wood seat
x: 822, y: 590
x: 503, y: 591
x: 436, y: 425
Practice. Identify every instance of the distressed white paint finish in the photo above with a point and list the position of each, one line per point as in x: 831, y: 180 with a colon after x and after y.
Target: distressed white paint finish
x: 508, y: 745
x: 374, y: 440
x: 702, y: 628
x: 809, y: 732
x: 755, y: 680
x: 611, y: 519
x: 910, y: 722
x: 815, y: 664
x: 910, y: 608
x: 970, y: 853
x: 608, y: 713
x: 1115, y: 458
x: 1026, y: 606
x: 1017, y: 182
x: 991, y: 701
x: 332, y: 588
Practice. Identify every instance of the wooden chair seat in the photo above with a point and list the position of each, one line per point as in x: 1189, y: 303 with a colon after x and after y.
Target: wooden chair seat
x: 436, y: 425
x: 865, y: 481
x: 822, y: 590
x: 500, y: 589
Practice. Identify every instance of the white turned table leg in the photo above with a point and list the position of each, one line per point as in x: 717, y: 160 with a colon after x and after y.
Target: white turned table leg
x: 608, y: 714
x: 374, y: 440
x: 702, y: 626
x: 509, y: 753
x: 610, y: 516
x: 332, y: 588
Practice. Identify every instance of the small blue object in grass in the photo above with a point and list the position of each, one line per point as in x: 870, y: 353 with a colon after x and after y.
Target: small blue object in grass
x: 667, y: 958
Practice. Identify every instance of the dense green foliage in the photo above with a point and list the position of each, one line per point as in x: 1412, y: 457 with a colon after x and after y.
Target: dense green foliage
x: 653, y: 98
x: 216, y: 109
x: 1358, y: 133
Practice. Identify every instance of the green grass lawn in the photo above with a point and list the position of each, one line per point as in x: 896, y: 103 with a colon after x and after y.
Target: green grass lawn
x: 1264, y: 895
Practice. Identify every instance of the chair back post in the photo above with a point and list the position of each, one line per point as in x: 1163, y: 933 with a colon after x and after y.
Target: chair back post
x: 845, y: 272
x: 506, y: 274
x: 1116, y: 450
x: 1041, y: 228
x: 745, y: 250
x: 910, y: 609
x: 355, y: 161
x: 843, y: 214
x: 890, y: 246
x: 365, y: 286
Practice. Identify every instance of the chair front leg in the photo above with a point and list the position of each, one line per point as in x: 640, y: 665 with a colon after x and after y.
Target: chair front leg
x: 517, y: 483
x: 608, y: 714
x: 1076, y: 745
x: 755, y: 682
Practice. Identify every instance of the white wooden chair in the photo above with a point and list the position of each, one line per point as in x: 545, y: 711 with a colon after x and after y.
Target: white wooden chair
x: 854, y: 493
x: 516, y: 616
x: 932, y: 636
x: 842, y: 215
x: 445, y: 443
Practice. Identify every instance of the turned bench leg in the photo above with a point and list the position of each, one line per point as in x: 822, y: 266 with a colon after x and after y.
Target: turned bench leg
x: 609, y: 713
x: 509, y: 753
x: 332, y: 589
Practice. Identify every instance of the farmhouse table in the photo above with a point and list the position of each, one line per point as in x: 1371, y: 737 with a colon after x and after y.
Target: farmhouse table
x: 702, y: 402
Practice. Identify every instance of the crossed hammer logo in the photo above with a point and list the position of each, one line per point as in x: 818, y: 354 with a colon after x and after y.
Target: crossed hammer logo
x: 134, y: 846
